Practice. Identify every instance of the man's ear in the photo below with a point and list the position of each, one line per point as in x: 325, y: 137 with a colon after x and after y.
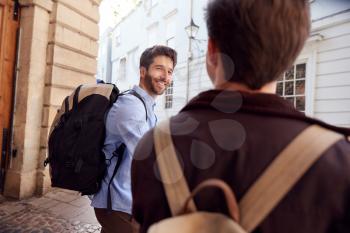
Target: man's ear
x: 212, y: 60
x: 143, y: 72
x: 213, y: 53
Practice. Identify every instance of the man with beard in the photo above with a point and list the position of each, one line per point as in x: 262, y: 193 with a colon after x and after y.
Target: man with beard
x: 130, y: 117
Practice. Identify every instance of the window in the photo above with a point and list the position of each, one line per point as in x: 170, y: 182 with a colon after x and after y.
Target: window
x: 171, y: 42
x: 122, y: 70
x: 291, y: 86
x: 152, y: 35
x: 133, y: 65
x: 115, y: 71
x: 170, y: 29
x: 169, y: 96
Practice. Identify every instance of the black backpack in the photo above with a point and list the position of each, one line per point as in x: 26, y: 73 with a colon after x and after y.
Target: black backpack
x: 77, y: 136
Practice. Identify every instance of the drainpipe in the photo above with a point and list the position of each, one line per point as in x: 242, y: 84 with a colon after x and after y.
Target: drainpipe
x: 13, y: 152
x: 189, y: 55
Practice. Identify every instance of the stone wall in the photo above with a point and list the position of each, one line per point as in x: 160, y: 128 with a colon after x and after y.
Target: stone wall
x: 58, y: 50
x: 71, y: 61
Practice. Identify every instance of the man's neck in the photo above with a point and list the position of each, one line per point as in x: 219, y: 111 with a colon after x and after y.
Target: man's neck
x: 142, y: 86
x: 269, y: 88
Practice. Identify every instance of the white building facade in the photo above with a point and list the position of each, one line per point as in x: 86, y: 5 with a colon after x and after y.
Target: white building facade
x: 318, y: 84
x: 104, y: 63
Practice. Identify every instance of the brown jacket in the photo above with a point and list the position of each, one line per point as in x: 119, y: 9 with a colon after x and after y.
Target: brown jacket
x: 234, y: 136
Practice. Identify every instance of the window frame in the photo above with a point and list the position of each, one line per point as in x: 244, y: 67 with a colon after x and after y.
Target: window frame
x: 309, y: 57
x: 169, y: 96
x: 152, y: 31
x: 285, y: 81
x: 122, y: 75
x: 171, y: 39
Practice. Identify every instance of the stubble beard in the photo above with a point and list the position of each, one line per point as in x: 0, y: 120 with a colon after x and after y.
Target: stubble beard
x: 151, y: 87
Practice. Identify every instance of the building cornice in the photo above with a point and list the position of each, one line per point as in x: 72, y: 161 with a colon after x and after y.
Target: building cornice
x: 96, y: 2
x: 331, y: 20
x: 44, y: 4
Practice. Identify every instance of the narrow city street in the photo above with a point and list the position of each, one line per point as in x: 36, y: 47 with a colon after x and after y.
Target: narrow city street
x: 57, y: 211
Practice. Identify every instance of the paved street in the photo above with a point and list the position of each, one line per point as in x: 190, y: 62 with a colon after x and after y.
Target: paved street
x: 57, y: 211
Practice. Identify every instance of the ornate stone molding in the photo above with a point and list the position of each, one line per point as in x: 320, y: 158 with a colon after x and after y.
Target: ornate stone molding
x: 96, y: 2
x: 45, y: 4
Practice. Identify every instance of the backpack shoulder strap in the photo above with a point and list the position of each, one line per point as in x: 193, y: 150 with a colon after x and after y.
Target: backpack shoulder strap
x: 283, y: 173
x: 119, y: 153
x: 134, y: 93
x: 137, y: 95
x: 173, y: 179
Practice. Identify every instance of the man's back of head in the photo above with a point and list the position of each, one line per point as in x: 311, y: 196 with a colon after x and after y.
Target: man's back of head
x: 261, y: 39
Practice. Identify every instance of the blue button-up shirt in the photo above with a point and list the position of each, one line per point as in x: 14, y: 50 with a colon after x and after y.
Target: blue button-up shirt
x: 126, y: 123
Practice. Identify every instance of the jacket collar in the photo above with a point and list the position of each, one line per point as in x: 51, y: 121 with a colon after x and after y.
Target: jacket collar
x: 231, y: 102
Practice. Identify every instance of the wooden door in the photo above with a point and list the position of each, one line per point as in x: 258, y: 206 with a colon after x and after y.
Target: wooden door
x: 9, y: 25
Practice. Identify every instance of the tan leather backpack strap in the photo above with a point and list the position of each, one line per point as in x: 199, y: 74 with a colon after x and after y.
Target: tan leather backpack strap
x: 230, y: 197
x: 173, y: 179
x: 283, y: 173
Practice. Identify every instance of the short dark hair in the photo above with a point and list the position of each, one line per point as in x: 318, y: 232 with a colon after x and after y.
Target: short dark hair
x: 158, y: 50
x: 262, y: 38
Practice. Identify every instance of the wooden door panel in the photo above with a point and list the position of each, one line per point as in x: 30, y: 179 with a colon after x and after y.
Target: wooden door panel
x: 2, y: 7
x: 8, y: 41
x: 9, y: 59
x: 2, y: 25
x: 2, y: 31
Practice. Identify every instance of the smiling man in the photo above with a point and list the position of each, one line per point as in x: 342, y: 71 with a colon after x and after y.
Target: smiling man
x: 129, y: 118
